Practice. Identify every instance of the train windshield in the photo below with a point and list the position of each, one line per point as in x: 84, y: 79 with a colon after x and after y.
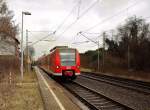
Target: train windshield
x: 68, y: 57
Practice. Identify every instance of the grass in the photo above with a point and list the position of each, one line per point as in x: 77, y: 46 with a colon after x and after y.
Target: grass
x: 20, y: 95
x: 86, y: 69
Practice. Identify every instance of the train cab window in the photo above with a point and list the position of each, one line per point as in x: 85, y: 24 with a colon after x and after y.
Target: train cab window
x: 68, y: 57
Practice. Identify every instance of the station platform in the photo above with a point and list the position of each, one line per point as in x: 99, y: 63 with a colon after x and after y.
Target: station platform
x: 54, y: 96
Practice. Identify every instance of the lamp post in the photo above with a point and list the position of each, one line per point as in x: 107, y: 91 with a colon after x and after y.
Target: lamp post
x: 21, y: 68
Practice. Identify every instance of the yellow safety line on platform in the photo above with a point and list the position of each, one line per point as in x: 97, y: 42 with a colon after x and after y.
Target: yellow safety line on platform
x: 52, y: 92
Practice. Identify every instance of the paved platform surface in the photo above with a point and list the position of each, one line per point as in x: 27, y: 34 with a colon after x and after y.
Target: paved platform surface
x: 54, y: 97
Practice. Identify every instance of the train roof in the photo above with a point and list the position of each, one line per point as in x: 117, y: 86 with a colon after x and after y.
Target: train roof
x: 58, y: 47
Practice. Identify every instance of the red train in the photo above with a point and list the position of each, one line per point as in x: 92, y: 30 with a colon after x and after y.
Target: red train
x: 61, y: 61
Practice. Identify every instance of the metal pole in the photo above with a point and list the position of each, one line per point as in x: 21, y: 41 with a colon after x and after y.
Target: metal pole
x: 98, y: 48
x: 128, y: 57
x: 98, y: 57
x: 128, y: 52
x: 103, y: 50
x: 27, y: 50
x: 88, y: 38
x: 21, y: 68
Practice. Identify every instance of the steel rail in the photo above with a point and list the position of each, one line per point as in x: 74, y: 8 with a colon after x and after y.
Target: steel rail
x: 93, y: 99
x: 124, y: 83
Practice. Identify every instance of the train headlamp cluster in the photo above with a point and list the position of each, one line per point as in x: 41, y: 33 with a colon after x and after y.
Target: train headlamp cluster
x: 57, y: 67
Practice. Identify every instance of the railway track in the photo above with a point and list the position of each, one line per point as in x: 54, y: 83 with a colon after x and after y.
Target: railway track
x: 93, y: 99
x: 138, y: 86
x: 88, y: 92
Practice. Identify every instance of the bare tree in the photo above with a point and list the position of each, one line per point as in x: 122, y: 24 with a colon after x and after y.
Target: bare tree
x: 134, y: 44
x: 7, y: 25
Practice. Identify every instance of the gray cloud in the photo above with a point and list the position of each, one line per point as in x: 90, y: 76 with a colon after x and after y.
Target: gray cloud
x: 48, y: 14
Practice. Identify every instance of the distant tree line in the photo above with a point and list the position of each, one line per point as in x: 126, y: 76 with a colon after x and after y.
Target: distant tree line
x: 132, y: 43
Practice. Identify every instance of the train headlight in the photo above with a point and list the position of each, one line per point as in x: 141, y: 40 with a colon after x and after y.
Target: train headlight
x: 57, y: 67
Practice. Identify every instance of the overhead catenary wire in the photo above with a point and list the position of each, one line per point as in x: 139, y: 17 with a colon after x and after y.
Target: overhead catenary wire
x: 90, y: 33
x: 39, y: 31
x: 64, y: 22
x: 97, y: 35
x: 65, y: 19
x: 88, y: 38
x: 54, y: 32
x: 79, y: 9
x: 110, y: 17
x: 89, y: 8
x: 96, y: 42
x: 42, y: 38
x: 35, y: 31
x: 109, y: 31
x: 80, y: 42
x: 78, y: 18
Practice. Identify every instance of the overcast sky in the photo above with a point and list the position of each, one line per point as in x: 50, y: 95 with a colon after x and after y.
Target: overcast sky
x: 47, y: 15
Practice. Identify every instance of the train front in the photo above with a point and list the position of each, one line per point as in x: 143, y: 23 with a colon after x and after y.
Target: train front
x: 70, y: 63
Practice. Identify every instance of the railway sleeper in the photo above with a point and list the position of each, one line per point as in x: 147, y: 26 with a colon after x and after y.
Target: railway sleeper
x: 98, y: 100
